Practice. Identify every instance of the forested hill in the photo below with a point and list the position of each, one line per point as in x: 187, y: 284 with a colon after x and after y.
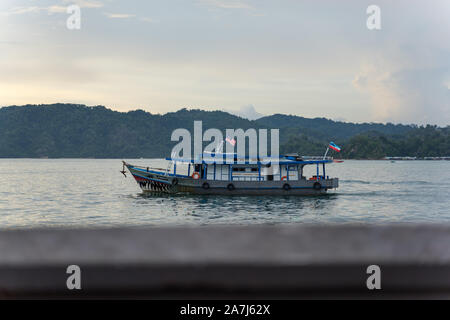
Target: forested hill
x: 78, y: 131
x: 326, y: 128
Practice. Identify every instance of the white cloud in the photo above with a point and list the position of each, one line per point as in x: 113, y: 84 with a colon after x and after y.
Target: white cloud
x: 407, y: 94
x: 53, y: 8
x: 56, y: 9
x: 85, y: 3
x: 22, y: 10
x: 119, y: 15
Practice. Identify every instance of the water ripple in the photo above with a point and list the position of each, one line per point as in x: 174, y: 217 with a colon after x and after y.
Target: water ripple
x: 94, y: 194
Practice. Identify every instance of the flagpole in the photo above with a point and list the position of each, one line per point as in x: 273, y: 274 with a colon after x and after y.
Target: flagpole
x: 325, y: 155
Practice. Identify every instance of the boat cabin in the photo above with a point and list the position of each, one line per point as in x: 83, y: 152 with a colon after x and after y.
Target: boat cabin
x: 214, y: 167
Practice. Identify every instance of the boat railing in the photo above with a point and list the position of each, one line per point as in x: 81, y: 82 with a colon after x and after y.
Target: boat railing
x: 246, y: 178
x: 150, y: 168
x: 316, y: 158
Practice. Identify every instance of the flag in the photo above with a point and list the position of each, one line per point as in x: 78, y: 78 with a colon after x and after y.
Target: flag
x: 335, y: 147
x: 231, y: 141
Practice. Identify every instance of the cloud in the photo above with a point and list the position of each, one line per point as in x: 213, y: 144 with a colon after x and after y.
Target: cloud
x: 56, y: 9
x: 119, y: 15
x: 226, y: 4
x: 53, y: 8
x: 85, y: 3
x: 407, y: 95
x: 22, y: 10
x: 301, y: 59
x: 405, y: 75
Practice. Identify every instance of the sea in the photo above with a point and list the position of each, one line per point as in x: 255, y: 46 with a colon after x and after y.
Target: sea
x: 92, y: 193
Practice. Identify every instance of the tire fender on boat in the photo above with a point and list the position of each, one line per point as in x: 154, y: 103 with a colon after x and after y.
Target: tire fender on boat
x: 317, y: 186
x: 196, y: 176
x: 286, y: 187
x: 205, y: 185
x: 230, y: 187
x: 175, y: 182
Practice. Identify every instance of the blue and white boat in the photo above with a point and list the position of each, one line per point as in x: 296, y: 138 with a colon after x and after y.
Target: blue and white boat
x: 240, y: 176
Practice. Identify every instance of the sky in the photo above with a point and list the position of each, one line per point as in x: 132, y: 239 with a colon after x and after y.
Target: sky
x: 251, y: 57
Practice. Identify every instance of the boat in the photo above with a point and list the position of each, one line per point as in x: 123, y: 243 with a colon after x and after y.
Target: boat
x: 223, y: 174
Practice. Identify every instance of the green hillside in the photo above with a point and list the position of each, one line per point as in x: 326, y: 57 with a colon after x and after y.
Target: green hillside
x: 78, y: 131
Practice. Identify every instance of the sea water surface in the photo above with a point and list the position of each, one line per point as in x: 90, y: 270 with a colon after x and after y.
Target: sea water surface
x: 41, y: 193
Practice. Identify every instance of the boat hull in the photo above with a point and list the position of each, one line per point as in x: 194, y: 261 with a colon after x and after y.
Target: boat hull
x: 151, y: 181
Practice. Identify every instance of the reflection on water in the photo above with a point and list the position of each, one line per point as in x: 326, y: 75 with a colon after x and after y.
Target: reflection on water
x: 91, y: 193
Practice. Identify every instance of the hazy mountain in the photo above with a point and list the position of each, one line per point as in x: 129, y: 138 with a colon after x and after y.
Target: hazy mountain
x: 247, y: 112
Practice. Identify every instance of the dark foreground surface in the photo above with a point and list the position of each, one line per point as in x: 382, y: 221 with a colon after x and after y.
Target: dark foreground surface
x: 228, y: 262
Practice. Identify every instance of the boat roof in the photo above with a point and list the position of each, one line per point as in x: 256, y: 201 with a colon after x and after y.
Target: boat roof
x: 223, y: 158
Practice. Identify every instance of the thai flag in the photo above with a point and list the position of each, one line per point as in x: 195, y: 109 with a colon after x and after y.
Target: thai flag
x: 231, y: 141
x: 335, y: 147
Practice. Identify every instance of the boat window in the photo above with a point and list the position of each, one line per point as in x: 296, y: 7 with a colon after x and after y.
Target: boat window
x: 254, y: 169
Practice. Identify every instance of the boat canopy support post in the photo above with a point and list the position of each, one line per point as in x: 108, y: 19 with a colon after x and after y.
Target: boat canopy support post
x: 317, y: 174
x: 324, y: 175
